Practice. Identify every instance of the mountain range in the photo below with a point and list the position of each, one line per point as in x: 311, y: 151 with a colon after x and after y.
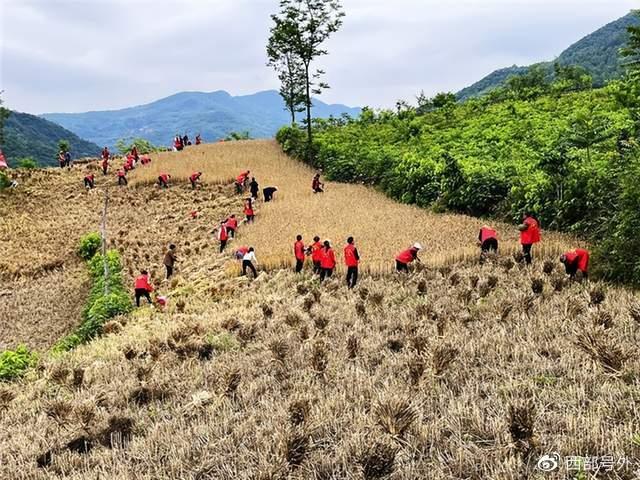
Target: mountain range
x: 597, y: 53
x: 214, y: 115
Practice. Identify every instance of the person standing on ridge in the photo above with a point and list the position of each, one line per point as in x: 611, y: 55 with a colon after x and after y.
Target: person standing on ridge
x: 247, y: 262
x: 529, y: 235
x: 488, y: 241
x: 194, y: 178
x: 170, y: 260
x: 404, y: 258
x: 315, y: 250
x: 198, y: 139
x: 134, y: 154
x: 268, y: 193
x: 232, y: 225
x: 185, y: 141
x: 105, y: 160
x: 328, y: 261
x: 67, y: 159
x: 223, y: 236
x: 163, y: 180
x: 576, y: 260
x: 89, y: 181
x: 143, y: 288
x: 61, y: 159
x: 298, y: 251
x: 254, y: 188
x: 351, y: 260
x: 248, y: 210
x: 316, y: 185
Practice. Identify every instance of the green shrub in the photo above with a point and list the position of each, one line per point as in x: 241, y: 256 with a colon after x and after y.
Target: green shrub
x: 89, y: 245
x: 14, y: 363
x: 28, y: 163
x: 223, y: 342
x: 143, y: 146
x: 5, y: 181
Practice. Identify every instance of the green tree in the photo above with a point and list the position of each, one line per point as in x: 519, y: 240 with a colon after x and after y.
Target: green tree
x: 631, y: 52
x: 143, y: 146
x: 302, y: 27
x: 237, y: 136
x: 530, y: 85
x: 28, y: 163
x: 570, y: 78
x: 64, y: 145
x: 441, y: 100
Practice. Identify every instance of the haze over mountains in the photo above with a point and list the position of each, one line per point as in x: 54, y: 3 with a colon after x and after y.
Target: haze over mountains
x: 214, y: 115
x: 597, y: 53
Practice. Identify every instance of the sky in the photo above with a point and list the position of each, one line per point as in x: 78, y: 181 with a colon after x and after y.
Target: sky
x: 81, y: 55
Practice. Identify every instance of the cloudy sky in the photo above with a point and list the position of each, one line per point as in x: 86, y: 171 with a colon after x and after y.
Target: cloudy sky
x: 78, y: 55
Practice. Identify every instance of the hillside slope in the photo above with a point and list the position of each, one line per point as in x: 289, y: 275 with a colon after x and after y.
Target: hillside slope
x: 487, y: 367
x: 597, y: 53
x: 31, y: 136
x: 214, y: 115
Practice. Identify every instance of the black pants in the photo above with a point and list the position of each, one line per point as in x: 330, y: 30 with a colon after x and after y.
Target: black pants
x: 141, y: 292
x: 122, y: 180
x: 318, y: 190
x: 325, y: 273
x: 193, y: 184
x: 238, y: 187
x: 169, y: 270
x: 352, y: 276
x: 104, y: 170
x: 247, y: 264
x: 268, y: 195
x: 231, y: 232
x: 526, y: 250
x: 316, y: 267
x: 223, y: 243
x: 254, y: 194
x: 162, y: 183
x: 88, y: 183
x: 402, y: 267
x: 490, y: 245
x: 250, y: 218
x: 299, y: 265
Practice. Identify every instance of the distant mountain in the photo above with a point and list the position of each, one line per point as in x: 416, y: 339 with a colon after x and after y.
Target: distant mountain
x: 27, y: 135
x: 597, y: 52
x: 213, y: 115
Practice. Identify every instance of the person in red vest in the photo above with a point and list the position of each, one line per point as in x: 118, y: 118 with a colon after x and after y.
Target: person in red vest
x: 351, y: 260
x: 298, y: 251
x: 529, y: 235
x: 315, y: 250
x: 89, y: 181
x: 404, y: 258
x: 142, y: 287
x: 488, y: 241
x: 232, y: 225
x: 241, y: 252
x: 576, y: 260
x: 122, y: 177
x: 145, y: 159
x: 134, y: 154
x: 248, y: 210
x: 163, y: 180
x: 177, y: 143
x: 241, y: 181
x: 128, y: 164
x: 195, y: 176
x: 223, y: 236
x: 327, y: 261
x: 105, y: 160
x: 198, y: 139
x: 316, y: 185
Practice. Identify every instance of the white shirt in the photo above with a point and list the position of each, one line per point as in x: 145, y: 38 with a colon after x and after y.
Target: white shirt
x: 250, y: 256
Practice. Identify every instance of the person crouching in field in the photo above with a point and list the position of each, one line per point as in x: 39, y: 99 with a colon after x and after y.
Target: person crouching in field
x: 89, y: 181
x: 194, y: 179
x: 241, y: 181
x: 298, y: 251
x: 576, y: 261
x: 247, y: 262
x: 232, y: 225
x: 248, y: 210
x: 404, y: 258
x: 529, y: 235
x: 316, y: 185
x: 327, y: 262
x: 223, y: 236
x: 122, y: 177
x: 488, y: 241
x: 268, y: 193
x: 170, y: 259
x: 143, y: 288
x: 163, y: 180
x: 315, y: 250
x: 351, y: 260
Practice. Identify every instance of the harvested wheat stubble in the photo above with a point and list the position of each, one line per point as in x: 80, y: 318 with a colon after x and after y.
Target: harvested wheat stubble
x: 380, y: 226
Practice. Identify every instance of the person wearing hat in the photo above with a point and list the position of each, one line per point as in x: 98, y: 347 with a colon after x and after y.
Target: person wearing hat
x: 404, y: 258
x: 574, y: 261
x: 327, y: 261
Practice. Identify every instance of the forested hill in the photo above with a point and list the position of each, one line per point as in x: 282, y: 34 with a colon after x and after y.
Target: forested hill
x: 597, y: 53
x: 31, y: 136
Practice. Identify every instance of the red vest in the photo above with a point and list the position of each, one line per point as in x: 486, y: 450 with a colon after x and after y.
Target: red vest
x: 122, y: 173
x: 142, y: 282
x: 487, y: 233
x: 580, y: 257
x: 316, y: 252
x: 89, y: 178
x: 532, y: 234
x: 222, y: 234
x: 232, y: 223
x: 350, y: 259
x: 298, y: 249
x: 164, y: 177
x: 328, y: 259
x: 407, y: 256
x: 194, y: 176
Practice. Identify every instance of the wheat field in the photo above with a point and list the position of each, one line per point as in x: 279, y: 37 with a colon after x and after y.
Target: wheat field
x: 380, y: 226
x: 457, y: 371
